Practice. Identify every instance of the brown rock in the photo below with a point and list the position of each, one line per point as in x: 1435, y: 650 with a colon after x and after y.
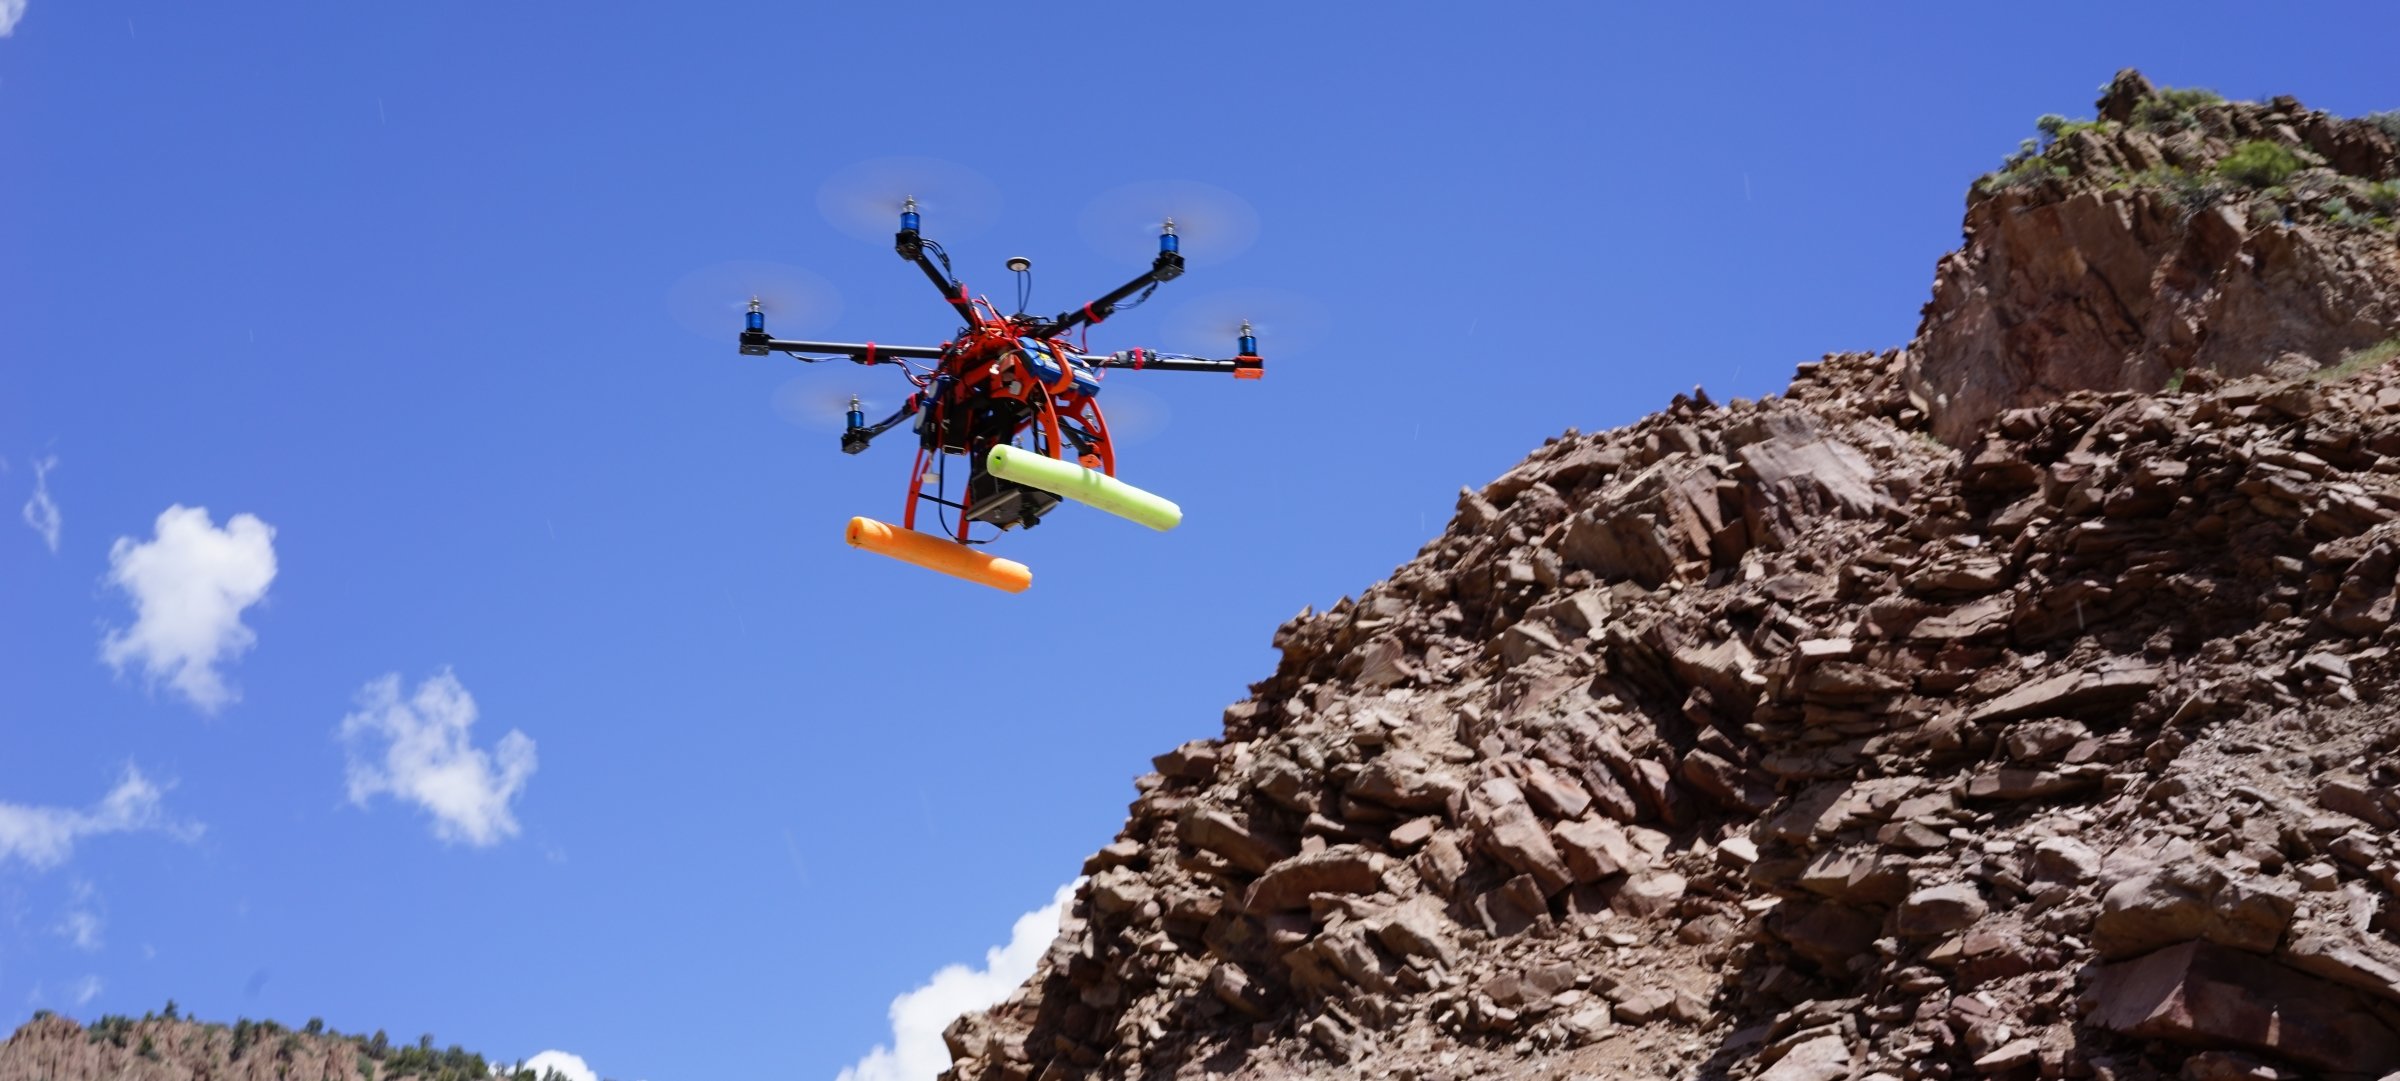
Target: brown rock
x: 1195, y: 761
x: 1651, y: 894
x: 1416, y: 929
x: 1505, y: 826
x: 1404, y: 780
x: 1829, y: 935
x: 1118, y: 890
x: 1644, y: 1006
x: 1235, y: 988
x: 1594, y: 848
x: 1824, y: 1058
x: 1416, y: 831
x: 1512, y: 908
x: 1855, y: 878
x: 2111, y: 683
x: 1728, y: 785
x: 1553, y: 795
x: 2065, y: 859
x: 2366, y: 963
x: 2203, y: 995
x: 1442, y: 863
x: 1215, y: 831
x: 1787, y: 481
x: 1941, y: 910
x: 2020, y: 783
x: 2192, y: 899
x: 1341, y: 869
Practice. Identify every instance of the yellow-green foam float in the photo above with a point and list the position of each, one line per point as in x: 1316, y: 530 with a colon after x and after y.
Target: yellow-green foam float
x: 1089, y: 487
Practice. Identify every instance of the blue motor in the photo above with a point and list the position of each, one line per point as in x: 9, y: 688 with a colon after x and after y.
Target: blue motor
x: 908, y: 215
x: 756, y: 321
x: 1166, y: 238
x: 1249, y: 341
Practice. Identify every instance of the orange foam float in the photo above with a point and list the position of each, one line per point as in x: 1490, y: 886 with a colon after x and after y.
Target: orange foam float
x: 937, y: 554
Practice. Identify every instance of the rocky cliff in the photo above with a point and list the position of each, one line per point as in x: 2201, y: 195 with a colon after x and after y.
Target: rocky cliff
x: 1780, y: 739
x: 2173, y: 232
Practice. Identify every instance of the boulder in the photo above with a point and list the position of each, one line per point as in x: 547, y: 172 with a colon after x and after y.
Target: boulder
x: 2202, y: 995
x: 1216, y: 831
x: 1505, y: 827
x: 2192, y: 899
x: 1342, y: 869
x: 1594, y: 848
x: 1940, y: 910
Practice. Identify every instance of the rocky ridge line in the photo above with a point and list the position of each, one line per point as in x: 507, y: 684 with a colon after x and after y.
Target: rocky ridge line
x: 172, y: 1048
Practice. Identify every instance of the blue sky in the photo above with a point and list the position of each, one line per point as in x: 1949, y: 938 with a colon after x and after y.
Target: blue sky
x: 438, y: 637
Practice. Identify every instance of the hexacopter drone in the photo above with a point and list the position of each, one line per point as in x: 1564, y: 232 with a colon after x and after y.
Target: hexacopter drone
x: 1012, y: 398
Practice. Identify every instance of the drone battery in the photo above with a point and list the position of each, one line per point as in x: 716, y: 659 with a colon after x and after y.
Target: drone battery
x: 1007, y: 505
x: 1045, y: 366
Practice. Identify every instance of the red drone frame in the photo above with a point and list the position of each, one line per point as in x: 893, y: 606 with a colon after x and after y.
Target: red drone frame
x: 1002, y: 380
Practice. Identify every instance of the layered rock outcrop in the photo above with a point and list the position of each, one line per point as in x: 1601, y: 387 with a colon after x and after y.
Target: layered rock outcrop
x: 2136, y: 246
x: 1779, y: 739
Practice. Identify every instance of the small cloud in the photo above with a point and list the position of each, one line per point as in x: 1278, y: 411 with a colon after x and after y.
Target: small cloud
x: 41, y: 512
x: 85, y: 990
x: 43, y: 837
x: 82, y: 924
x: 917, y: 1052
x: 571, y: 1067
x: 10, y: 12
x: 417, y: 750
x: 189, y: 585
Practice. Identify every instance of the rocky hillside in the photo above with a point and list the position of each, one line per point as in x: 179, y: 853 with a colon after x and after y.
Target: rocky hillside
x: 1782, y: 740
x: 169, y: 1048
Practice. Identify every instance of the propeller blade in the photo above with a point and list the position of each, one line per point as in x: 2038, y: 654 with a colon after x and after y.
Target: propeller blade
x: 1213, y: 224
x: 711, y: 301
x: 1285, y: 322
x: 864, y: 200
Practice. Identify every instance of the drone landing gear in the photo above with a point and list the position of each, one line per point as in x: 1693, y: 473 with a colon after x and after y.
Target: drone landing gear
x: 937, y: 554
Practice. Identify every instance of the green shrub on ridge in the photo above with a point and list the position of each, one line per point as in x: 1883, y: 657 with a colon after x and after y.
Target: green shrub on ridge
x: 2259, y: 164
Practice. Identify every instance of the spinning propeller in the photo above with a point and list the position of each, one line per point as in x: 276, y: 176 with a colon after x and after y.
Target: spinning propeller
x: 706, y: 300
x: 1124, y: 223
x: 1286, y: 320
x: 864, y: 200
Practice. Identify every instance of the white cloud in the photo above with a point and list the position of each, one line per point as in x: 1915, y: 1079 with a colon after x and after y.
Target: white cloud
x: 43, y: 837
x: 189, y: 586
x: 85, y: 990
x: 41, y: 512
x: 417, y: 749
x: 916, y: 1052
x: 10, y: 12
x: 81, y: 927
x: 571, y: 1067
